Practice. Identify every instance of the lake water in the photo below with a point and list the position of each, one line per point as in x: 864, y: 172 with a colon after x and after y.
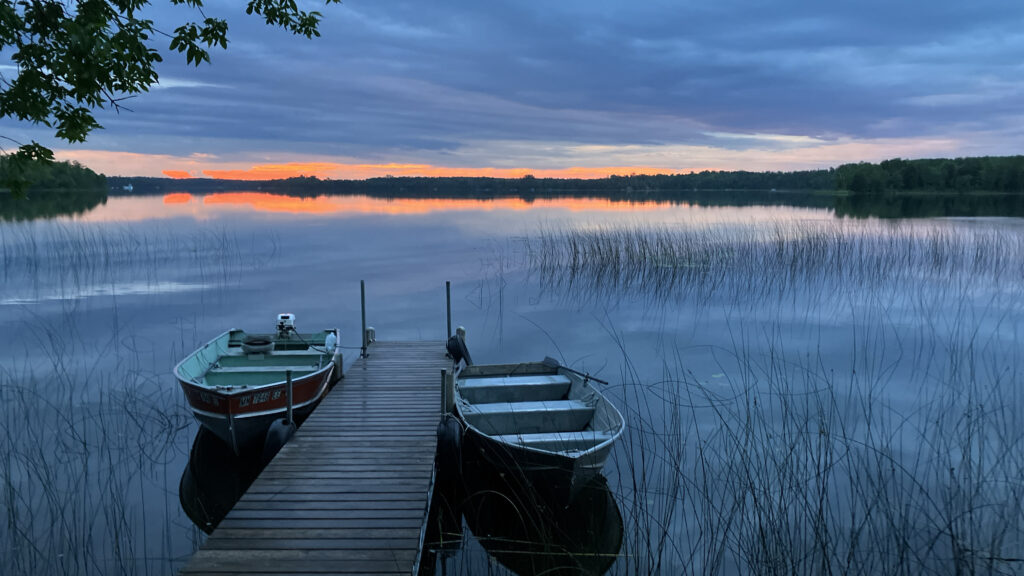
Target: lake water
x: 802, y: 389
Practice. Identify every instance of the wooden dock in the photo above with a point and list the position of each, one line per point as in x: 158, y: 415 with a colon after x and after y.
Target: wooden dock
x: 349, y: 493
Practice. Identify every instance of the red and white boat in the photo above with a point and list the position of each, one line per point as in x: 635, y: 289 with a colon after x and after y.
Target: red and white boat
x: 237, y: 384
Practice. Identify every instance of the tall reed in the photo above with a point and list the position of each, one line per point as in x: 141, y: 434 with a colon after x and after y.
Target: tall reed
x: 905, y: 457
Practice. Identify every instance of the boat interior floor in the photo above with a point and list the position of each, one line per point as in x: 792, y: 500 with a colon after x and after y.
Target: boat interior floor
x: 258, y: 369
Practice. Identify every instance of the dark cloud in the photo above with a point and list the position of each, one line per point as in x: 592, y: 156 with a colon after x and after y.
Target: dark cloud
x: 422, y: 80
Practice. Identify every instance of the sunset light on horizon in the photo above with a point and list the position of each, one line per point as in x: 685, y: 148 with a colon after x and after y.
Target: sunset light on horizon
x: 336, y: 171
x: 618, y: 90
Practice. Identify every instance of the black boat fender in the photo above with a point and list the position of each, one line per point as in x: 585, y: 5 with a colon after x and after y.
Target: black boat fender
x: 278, y: 434
x: 449, y: 448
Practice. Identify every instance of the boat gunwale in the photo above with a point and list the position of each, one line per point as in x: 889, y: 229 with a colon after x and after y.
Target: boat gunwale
x: 233, y: 390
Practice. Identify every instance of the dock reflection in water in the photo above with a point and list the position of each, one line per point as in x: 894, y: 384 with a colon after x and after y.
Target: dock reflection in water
x: 523, y: 531
x: 214, y: 479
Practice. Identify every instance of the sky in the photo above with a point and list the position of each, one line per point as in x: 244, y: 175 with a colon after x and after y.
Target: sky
x: 573, y: 88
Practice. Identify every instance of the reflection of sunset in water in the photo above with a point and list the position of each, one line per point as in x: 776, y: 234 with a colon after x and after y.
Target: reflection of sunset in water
x: 264, y: 202
x: 177, y: 198
x: 489, y: 214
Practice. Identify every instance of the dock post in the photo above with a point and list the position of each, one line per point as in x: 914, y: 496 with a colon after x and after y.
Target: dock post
x: 362, y: 306
x: 448, y: 302
x: 288, y: 375
x: 447, y: 392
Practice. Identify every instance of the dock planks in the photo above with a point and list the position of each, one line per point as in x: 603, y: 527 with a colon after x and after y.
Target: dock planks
x: 349, y: 493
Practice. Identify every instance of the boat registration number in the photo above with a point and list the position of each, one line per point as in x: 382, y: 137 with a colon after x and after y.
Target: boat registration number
x: 258, y: 398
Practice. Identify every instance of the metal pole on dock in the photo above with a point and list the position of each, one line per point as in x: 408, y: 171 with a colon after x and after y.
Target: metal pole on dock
x: 448, y: 301
x: 288, y: 375
x: 362, y: 305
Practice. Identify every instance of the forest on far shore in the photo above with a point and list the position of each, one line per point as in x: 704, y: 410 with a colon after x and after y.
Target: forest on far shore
x: 56, y: 176
x: 998, y: 174
x: 1004, y: 174
x: 976, y: 174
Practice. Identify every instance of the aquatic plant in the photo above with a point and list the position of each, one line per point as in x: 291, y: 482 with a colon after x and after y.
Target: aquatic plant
x: 746, y: 265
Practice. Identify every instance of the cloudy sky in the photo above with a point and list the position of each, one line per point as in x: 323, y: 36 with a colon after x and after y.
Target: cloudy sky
x: 576, y: 88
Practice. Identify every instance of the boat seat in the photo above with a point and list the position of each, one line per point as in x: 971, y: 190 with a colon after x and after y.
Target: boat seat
x: 514, y: 388
x: 528, y: 417
x: 286, y: 361
x: 558, y: 441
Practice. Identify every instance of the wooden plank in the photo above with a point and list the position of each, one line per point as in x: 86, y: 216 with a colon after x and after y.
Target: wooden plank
x: 333, y: 534
x: 353, y: 543
x: 334, y: 496
x: 328, y: 514
x: 410, y: 503
x: 348, y: 493
x: 232, y: 522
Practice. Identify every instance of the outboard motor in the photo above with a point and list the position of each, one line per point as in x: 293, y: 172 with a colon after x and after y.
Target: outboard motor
x: 285, y: 324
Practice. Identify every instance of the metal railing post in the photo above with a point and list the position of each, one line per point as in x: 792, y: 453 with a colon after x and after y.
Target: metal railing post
x: 448, y: 302
x: 362, y: 306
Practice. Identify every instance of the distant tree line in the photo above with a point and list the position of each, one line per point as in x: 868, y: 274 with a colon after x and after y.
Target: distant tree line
x: 52, y: 175
x: 979, y: 174
x: 639, y: 187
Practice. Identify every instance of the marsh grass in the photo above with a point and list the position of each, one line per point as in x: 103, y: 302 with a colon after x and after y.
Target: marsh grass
x: 84, y: 454
x: 748, y: 265
x: 93, y: 428
x: 905, y: 457
x: 75, y: 258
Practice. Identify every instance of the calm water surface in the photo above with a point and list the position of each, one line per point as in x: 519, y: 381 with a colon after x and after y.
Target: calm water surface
x: 764, y: 335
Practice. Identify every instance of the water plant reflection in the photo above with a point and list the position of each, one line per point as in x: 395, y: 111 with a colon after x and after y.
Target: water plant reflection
x: 526, y: 531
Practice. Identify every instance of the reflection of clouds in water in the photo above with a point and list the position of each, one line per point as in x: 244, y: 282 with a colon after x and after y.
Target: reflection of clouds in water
x: 118, y: 289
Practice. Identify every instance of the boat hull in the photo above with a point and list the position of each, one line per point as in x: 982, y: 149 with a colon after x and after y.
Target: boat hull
x: 241, y: 418
x: 546, y: 424
x: 557, y: 477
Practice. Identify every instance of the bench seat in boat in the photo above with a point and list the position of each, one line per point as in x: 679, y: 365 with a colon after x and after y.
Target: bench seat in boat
x: 529, y: 417
x: 514, y: 388
x: 284, y: 359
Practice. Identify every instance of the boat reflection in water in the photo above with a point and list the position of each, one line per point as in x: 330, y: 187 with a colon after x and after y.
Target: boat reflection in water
x: 525, y: 532
x: 214, y: 479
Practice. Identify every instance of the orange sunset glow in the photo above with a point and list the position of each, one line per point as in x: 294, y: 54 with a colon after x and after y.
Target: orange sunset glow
x: 265, y: 202
x: 333, y: 170
x: 177, y: 198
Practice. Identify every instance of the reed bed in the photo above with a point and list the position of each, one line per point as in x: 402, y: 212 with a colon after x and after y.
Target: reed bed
x: 792, y: 469
x: 69, y: 256
x: 92, y: 439
x: 90, y: 436
x: 902, y: 455
x: 758, y: 262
